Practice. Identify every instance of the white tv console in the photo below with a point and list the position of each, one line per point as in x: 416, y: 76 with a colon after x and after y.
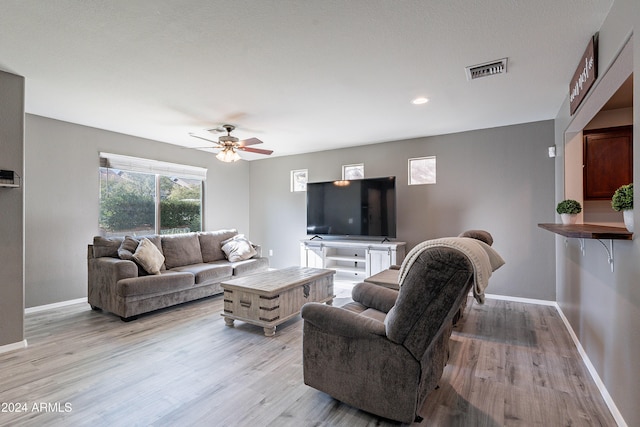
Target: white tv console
x: 353, y: 260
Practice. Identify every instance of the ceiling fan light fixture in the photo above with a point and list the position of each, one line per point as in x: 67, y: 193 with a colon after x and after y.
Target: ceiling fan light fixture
x: 228, y: 155
x: 228, y: 145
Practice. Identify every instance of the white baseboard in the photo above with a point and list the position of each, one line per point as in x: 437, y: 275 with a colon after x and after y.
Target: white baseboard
x: 524, y: 300
x: 592, y: 370
x: 15, y: 346
x: 54, y: 305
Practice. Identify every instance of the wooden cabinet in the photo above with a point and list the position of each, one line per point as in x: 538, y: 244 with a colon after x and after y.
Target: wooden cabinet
x: 353, y: 260
x: 608, y: 161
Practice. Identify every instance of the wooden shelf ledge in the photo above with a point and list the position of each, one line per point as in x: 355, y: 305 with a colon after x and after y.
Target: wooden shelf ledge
x: 589, y: 231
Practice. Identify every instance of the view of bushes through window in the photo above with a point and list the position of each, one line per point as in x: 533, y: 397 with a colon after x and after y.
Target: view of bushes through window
x: 128, y: 203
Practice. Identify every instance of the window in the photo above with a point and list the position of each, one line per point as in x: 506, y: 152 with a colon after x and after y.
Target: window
x: 139, y: 196
x: 299, y: 180
x: 353, y: 171
x: 180, y: 205
x: 127, y: 203
x: 422, y: 170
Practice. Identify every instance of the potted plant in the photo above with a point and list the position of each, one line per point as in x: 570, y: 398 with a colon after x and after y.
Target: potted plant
x: 622, y: 200
x: 569, y: 210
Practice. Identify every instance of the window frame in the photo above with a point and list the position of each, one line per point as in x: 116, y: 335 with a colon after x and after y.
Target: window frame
x: 296, y: 187
x: 412, y: 180
x: 158, y: 170
x: 353, y: 166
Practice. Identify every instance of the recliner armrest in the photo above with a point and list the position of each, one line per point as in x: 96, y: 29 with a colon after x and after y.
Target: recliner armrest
x: 337, y: 321
x: 374, y: 296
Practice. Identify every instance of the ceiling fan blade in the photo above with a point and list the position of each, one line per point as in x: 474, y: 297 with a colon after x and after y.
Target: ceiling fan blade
x: 203, y: 148
x: 219, y: 129
x: 249, y: 141
x: 206, y: 139
x: 255, y: 150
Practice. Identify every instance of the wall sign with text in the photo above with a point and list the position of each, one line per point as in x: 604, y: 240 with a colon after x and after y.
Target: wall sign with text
x: 585, y: 75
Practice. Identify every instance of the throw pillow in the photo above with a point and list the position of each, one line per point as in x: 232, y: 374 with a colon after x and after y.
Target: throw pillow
x: 128, y: 247
x: 211, y: 244
x: 148, y: 256
x: 156, y: 240
x: 238, y: 248
x: 482, y: 235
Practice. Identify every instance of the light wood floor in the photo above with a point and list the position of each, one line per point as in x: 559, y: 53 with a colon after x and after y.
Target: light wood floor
x: 511, y: 364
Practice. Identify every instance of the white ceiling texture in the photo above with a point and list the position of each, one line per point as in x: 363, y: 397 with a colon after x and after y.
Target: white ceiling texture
x: 301, y: 75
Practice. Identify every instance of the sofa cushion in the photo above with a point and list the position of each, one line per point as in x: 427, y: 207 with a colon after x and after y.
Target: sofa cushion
x: 128, y: 247
x: 148, y: 256
x: 207, y: 273
x: 130, y: 244
x: 211, y: 244
x: 181, y: 249
x: 238, y: 248
x: 253, y: 265
x: 106, y: 246
x: 155, y: 239
x: 354, y: 307
x: 166, y: 282
x: 374, y: 314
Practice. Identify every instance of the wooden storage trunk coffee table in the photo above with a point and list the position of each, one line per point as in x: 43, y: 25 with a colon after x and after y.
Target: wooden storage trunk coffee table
x: 273, y: 297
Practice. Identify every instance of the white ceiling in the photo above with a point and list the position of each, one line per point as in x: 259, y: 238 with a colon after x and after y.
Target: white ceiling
x: 301, y: 75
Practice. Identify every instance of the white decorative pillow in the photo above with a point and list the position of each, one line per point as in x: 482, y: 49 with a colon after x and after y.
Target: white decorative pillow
x: 148, y: 256
x: 238, y: 248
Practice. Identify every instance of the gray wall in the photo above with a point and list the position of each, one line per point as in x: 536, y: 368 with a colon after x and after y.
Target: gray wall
x: 11, y: 210
x: 603, y: 307
x: 61, y: 199
x: 500, y: 179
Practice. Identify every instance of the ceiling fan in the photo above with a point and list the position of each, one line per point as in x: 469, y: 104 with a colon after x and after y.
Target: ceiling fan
x: 229, y: 144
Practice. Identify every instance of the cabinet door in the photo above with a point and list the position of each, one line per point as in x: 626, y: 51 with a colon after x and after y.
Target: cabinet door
x: 312, y: 256
x: 608, y: 161
x: 379, y: 260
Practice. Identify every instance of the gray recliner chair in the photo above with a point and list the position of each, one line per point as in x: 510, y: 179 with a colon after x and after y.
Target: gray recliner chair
x: 386, y: 351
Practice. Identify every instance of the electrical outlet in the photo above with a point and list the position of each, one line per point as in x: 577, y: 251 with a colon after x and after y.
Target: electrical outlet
x: 270, y: 252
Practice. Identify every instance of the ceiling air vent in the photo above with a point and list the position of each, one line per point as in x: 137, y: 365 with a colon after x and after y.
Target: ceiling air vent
x: 487, y: 69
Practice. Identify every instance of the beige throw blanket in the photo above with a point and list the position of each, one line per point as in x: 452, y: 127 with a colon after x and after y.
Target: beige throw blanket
x: 483, y: 258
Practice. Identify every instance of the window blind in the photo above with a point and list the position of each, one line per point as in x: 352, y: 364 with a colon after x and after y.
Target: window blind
x: 137, y: 164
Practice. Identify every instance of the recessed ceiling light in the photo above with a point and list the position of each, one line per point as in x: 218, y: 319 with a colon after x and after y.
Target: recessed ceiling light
x: 419, y: 101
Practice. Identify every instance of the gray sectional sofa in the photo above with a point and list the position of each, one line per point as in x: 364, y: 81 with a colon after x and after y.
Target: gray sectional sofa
x: 191, y: 266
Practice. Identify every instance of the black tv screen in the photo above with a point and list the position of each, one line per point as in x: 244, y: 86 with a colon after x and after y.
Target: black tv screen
x: 363, y: 207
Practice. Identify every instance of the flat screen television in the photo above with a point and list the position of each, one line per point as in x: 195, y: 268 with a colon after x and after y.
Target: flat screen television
x: 363, y: 207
